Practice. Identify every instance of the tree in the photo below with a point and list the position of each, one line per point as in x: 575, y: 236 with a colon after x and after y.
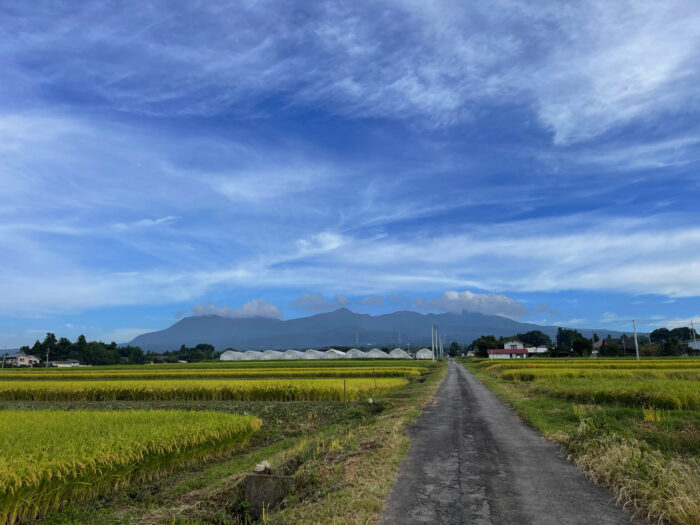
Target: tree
x: 672, y: 346
x: 136, y: 356
x: 582, y: 347
x: 484, y: 343
x: 455, y: 349
x: 660, y: 335
x: 609, y: 349
x: 535, y: 338
x: 595, y: 337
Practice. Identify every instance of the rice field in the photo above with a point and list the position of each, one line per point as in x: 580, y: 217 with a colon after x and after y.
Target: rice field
x: 197, y: 373
x: 52, y: 457
x: 659, y: 383
x: 199, y: 389
x: 630, y: 425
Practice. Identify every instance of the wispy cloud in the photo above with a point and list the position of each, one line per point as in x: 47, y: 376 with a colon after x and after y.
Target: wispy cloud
x: 251, y: 309
x: 318, y: 303
x: 457, y: 302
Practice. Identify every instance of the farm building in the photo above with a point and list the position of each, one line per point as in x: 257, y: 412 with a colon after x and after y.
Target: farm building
x: 399, y: 353
x: 271, y: 355
x: 313, y: 354
x: 514, y: 345
x: 425, y: 353
x: 293, y: 354
x: 376, y: 353
x: 537, y: 349
x: 507, y: 353
x: 354, y: 353
x: 21, y: 359
x: 252, y: 355
x: 231, y: 355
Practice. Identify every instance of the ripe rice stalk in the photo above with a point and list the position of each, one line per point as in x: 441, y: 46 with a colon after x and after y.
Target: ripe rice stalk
x: 52, y: 457
x: 197, y: 390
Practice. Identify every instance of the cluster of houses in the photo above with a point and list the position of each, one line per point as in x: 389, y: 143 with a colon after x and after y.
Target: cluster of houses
x: 22, y: 360
x: 353, y: 353
x: 515, y: 350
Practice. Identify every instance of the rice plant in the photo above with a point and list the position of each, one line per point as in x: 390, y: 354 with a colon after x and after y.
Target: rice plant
x: 199, y: 389
x: 49, y: 458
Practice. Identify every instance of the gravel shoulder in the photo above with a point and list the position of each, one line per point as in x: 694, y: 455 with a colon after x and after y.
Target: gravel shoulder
x: 472, y: 461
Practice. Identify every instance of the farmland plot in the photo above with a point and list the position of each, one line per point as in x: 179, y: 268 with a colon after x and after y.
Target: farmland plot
x: 52, y: 457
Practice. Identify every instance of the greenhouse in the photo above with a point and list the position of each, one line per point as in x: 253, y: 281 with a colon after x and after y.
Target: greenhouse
x: 293, y: 354
x: 425, y: 353
x: 313, y: 354
x: 354, y: 353
x: 231, y: 355
x: 399, y: 353
x: 333, y: 354
x: 376, y: 353
x: 271, y: 355
x: 252, y: 355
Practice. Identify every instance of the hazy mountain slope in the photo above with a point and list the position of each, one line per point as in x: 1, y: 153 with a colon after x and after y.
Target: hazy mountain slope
x: 341, y: 327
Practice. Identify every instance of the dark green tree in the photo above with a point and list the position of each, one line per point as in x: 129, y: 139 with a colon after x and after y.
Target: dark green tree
x: 535, y: 338
x: 455, y: 349
x: 484, y: 343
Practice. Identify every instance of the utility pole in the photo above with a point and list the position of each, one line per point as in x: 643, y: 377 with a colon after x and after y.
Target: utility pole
x: 47, y: 358
x: 692, y: 331
x: 636, y: 344
x: 3, y: 357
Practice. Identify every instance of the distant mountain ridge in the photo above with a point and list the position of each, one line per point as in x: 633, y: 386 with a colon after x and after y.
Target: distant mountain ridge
x: 341, y: 327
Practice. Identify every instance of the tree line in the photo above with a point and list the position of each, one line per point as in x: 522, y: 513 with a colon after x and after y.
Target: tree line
x: 571, y: 343
x: 100, y: 353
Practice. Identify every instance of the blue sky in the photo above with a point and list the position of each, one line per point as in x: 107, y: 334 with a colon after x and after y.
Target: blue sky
x: 162, y: 159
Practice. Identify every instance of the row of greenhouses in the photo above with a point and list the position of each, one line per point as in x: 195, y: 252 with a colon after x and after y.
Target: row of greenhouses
x: 353, y: 353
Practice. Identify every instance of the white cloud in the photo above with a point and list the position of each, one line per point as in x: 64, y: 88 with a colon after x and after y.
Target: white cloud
x: 318, y: 303
x: 251, y: 309
x: 457, y: 302
x: 122, y: 335
x: 373, y: 300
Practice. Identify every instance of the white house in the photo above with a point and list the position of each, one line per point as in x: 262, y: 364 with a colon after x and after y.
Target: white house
x: 513, y: 345
x: 21, y: 359
x: 537, y: 349
x: 507, y: 353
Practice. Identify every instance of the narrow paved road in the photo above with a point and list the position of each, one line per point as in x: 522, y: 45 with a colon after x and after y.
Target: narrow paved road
x: 471, y: 461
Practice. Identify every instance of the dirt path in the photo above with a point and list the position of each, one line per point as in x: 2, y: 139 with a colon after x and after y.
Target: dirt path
x: 471, y: 461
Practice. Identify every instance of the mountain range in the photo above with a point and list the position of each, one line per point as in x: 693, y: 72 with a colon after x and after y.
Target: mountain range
x: 341, y: 328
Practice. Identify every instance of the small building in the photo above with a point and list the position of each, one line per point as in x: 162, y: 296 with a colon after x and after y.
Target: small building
x: 534, y: 350
x: 68, y: 363
x: 514, y: 345
x: 20, y: 359
x: 507, y: 353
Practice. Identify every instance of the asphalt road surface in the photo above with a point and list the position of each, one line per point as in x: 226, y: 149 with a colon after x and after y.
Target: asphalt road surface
x: 471, y: 461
